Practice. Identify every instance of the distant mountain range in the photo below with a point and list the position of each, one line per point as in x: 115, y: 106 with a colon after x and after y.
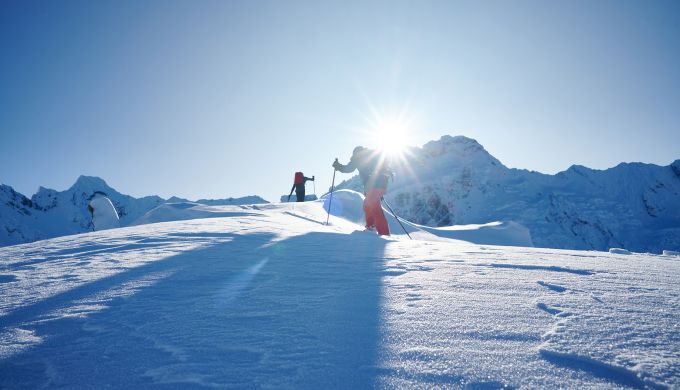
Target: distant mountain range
x: 51, y: 213
x: 455, y: 181
x: 451, y: 181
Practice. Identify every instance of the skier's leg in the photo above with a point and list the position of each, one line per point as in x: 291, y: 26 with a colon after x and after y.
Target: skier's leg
x: 300, y: 193
x: 381, y: 224
x: 368, y: 214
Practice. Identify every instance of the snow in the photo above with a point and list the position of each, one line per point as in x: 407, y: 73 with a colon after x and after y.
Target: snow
x: 263, y: 296
x: 293, y: 198
x: 619, y: 251
x: 186, y: 210
x: 671, y: 253
x: 348, y: 205
x: 104, y: 215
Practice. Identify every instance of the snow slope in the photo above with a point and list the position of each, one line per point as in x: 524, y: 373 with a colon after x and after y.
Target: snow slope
x: 455, y: 181
x: 268, y: 296
x: 51, y: 213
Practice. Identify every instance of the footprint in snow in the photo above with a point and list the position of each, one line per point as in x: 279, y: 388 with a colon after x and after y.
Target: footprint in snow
x: 551, y: 310
x: 553, y: 287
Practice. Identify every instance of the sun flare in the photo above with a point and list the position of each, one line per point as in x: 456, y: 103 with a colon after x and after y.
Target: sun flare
x: 390, y: 134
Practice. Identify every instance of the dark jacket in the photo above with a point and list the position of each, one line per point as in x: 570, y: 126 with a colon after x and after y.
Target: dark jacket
x: 373, y: 169
x: 300, y: 188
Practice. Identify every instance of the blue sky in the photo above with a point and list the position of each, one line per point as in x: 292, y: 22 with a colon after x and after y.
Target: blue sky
x: 229, y: 98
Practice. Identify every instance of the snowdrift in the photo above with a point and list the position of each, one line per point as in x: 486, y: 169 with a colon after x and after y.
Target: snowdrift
x: 181, y: 211
x: 104, y: 215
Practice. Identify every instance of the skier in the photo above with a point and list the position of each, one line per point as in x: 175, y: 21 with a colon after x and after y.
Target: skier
x: 374, y: 173
x: 299, y: 186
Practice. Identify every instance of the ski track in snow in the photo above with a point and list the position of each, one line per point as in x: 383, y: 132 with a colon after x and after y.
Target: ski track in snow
x: 275, y: 299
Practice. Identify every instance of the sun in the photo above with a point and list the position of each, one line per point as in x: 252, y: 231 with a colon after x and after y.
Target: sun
x: 390, y: 134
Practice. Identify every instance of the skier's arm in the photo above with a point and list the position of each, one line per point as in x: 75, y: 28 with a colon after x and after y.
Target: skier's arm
x: 308, y: 178
x: 349, y: 168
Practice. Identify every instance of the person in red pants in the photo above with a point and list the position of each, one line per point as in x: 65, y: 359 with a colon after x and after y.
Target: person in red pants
x: 374, y: 173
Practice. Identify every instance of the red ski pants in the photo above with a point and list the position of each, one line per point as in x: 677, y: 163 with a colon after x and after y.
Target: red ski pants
x: 375, y: 218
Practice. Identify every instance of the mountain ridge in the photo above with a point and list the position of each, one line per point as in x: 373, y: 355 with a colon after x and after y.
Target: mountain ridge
x: 450, y: 181
x: 50, y: 213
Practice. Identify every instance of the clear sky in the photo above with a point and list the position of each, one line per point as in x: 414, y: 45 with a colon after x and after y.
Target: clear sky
x: 229, y: 98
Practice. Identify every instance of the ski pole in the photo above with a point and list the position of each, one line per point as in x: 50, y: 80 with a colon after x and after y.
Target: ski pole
x: 330, y: 201
x: 395, y: 216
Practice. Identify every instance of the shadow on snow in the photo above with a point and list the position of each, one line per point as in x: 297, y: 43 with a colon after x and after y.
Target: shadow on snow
x: 302, y: 312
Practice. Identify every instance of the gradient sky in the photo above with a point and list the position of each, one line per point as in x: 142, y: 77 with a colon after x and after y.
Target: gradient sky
x: 229, y: 98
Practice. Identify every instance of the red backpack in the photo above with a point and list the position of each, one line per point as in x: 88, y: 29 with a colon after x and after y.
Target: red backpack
x: 299, y: 178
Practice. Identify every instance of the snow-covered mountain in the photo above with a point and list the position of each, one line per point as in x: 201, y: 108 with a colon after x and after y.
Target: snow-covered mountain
x: 452, y: 181
x: 455, y: 181
x: 51, y: 213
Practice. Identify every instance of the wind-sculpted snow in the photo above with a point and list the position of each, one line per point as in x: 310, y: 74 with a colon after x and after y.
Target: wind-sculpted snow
x: 268, y: 296
x: 186, y: 210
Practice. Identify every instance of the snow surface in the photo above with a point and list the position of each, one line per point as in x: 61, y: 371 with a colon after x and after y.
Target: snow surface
x: 267, y: 296
x: 293, y: 198
x: 182, y: 211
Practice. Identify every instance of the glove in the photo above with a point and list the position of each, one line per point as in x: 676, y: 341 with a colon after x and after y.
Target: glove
x: 336, y: 164
x: 312, y: 178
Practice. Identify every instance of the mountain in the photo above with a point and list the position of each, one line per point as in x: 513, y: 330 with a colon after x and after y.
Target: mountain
x: 455, y: 181
x: 269, y: 296
x: 51, y: 213
x: 252, y: 199
x: 449, y: 182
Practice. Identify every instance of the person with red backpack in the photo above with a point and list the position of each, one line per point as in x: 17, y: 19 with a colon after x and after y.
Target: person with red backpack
x: 374, y: 172
x: 299, y: 186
